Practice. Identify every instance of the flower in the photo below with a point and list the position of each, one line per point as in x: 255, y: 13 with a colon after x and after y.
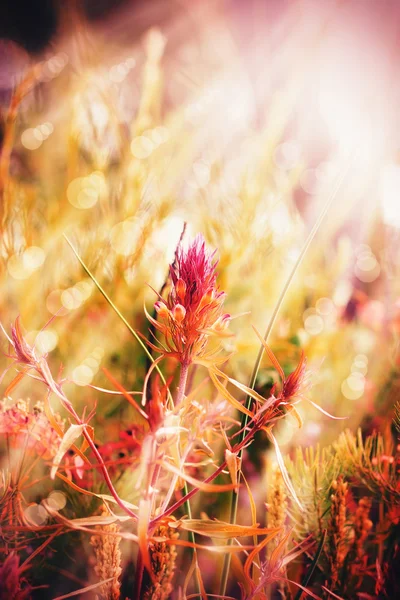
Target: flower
x: 26, y: 355
x: 297, y: 382
x: 295, y: 385
x: 29, y: 429
x: 192, y: 311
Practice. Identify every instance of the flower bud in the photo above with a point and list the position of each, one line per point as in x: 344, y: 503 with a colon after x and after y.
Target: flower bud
x: 180, y: 288
x: 161, y: 309
x: 206, y: 299
x: 179, y: 312
x: 222, y: 322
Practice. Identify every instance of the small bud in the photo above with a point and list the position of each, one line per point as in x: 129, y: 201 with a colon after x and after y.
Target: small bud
x: 179, y: 312
x: 180, y: 288
x: 161, y: 309
x: 206, y: 299
x: 222, y: 323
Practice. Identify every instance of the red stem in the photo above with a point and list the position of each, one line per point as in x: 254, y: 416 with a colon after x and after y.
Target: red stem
x: 106, y: 476
x: 180, y: 392
x: 67, y: 404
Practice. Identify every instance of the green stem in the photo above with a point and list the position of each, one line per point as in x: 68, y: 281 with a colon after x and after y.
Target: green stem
x: 115, y: 309
x: 311, y: 570
x: 245, y: 418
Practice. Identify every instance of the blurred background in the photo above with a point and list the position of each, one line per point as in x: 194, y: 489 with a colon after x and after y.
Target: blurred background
x: 123, y: 120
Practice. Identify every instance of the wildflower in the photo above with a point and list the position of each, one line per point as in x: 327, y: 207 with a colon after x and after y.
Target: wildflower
x: 25, y: 354
x: 192, y: 311
x: 28, y: 433
x: 295, y: 385
x: 29, y: 429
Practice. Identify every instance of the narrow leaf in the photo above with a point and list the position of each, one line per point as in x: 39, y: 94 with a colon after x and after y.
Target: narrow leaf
x: 123, y: 391
x: 314, y: 563
x: 325, y: 412
x: 241, y: 386
x: 220, y: 529
x: 14, y: 383
x: 88, y: 588
x: 201, y: 485
x: 284, y: 472
x: 70, y: 436
x: 225, y: 394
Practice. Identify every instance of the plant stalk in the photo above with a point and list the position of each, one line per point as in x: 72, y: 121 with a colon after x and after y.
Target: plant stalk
x: 183, y: 377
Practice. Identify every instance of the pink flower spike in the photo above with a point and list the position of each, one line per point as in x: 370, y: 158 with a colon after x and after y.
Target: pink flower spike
x: 192, y: 311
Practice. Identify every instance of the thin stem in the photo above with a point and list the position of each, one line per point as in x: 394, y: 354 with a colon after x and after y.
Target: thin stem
x: 68, y: 406
x: 151, y: 485
x: 244, y: 421
x: 115, y: 309
x: 180, y: 394
x: 106, y: 476
x: 138, y: 576
x: 183, y: 377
